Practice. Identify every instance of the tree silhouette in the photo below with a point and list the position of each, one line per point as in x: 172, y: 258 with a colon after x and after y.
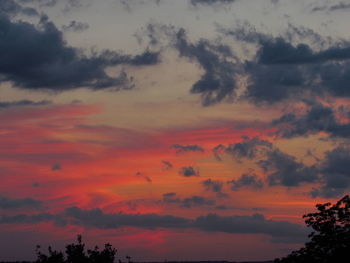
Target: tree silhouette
x: 75, y: 253
x: 330, y: 240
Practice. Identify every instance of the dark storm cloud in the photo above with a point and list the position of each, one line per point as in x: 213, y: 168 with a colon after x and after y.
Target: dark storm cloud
x: 188, y: 171
x: 246, y: 180
x: 248, y: 148
x: 336, y: 173
x: 20, y: 103
x: 76, y: 26
x: 187, y: 148
x: 37, y: 57
x: 210, y: 2
x: 317, y: 118
x: 10, y: 203
x: 217, y: 83
x: 284, y: 169
x: 214, y: 186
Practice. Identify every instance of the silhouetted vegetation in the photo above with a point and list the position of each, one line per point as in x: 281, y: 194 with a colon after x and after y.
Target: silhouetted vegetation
x: 330, y: 240
x: 75, y: 253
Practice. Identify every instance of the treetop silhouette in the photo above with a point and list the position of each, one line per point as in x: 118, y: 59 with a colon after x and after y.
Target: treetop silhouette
x: 330, y: 240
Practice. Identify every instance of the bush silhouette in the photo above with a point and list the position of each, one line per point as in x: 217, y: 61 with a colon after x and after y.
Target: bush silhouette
x: 330, y: 240
x: 75, y: 253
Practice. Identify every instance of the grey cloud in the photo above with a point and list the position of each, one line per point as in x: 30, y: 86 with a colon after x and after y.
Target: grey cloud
x: 317, y: 118
x: 214, y: 186
x: 76, y: 26
x: 249, y: 148
x: 188, y: 171
x: 187, y: 148
x: 47, y: 62
x: 279, y: 51
x: 13, y: 8
x: 217, y: 83
x: 246, y: 180
x: 168, y: 165
x: 211, y: 2
x: 336, y: 173
x: 20, y: 103
x: 188, y: 202
x: 284, y: 169
x: 97, y: 218
x: 282, y: 70
x: 9, y: 203
x: 254, y: 224
x: 335, y: 7
x: 56, y: 167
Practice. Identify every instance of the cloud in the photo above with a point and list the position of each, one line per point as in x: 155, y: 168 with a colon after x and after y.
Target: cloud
x: 187, y: 148
x: 248, y: 148
x: 188, y: 171
x: 284, y: 169
x: 10, y: 204
x: 210, y: 2
x: 47, y: 62
x: 75, y: 26
x: 317, y: 118
x: 217, y: 83
x: 20, y: 103
x: 56, y: 167
x: 168, y: 165
x: 215, y: 187
x: 294, y: 65
x: 255, y: 224
x: 246, y: 180
x: 97, y: 218
x: 188, y: 202
x: 13, y: 8
x: 336, y: 173
x: 336, y: 7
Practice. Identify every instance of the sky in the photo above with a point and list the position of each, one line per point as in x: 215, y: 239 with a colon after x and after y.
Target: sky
x: 172, y: 129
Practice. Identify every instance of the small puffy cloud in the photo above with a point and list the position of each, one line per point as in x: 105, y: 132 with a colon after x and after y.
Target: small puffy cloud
x: 188, y: 171
x: 248, y: 148
x: 214, y: 186
x: 246, y: 180
x: 56, y: 167
x: 168, y: 165
x: 76, y: 26
x: 187, y: 148
x: 188, y: 202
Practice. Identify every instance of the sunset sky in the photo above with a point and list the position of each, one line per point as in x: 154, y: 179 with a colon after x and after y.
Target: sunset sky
x: 173, y: 129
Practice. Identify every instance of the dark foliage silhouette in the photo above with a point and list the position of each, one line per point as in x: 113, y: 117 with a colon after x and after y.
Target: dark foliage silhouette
x: 330, y: 240
x: 76, y: 253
